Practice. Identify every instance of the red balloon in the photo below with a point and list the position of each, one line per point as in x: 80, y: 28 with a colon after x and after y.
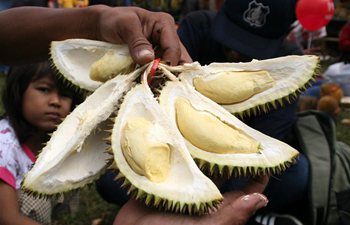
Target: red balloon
x: 314, y: 14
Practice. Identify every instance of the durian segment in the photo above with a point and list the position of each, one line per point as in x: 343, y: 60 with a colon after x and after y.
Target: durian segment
x: 75, y: 154
x: 112, y: 64
x: 184, y: 188
x: 74, y: 58
x: 290, y: 73
x: 145, y: 153
x: 204, y: 129
x: 231, y: 87
x: 273, y: 156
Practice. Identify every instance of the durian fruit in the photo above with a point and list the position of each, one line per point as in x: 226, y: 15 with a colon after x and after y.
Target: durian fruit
x: 219, y: 142
x: 245, y: 88
x: 88, y: 63
x: 152, y: 158
x: 245, y: 84
x: 76, y: 152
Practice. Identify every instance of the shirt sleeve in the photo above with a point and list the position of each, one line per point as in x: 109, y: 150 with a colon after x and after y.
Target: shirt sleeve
x: 7, y: 177
x: 9, y: 148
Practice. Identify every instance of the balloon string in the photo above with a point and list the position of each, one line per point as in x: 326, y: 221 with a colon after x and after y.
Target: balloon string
x: 309, y: 40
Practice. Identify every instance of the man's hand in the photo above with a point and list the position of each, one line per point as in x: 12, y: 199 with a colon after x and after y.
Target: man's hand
x: 237, y: 208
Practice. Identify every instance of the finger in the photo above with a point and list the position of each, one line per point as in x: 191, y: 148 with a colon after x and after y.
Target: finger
x: 245, y: 207
x: 164, y: 33
x: 185, y: 57
x: 237, y: 210
x: 130, y: 213
x: 132, y: 34
x: 255, y: 185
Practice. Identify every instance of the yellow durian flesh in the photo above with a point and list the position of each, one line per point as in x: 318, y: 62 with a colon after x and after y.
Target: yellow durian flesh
x: 273, y: 156
x: 110, y: 65
x: 73, y: 58
x: 233, y: 86
x: 145, y: 154
x: 208, y: 132
x: 290, y: 74
x: 185, y: 188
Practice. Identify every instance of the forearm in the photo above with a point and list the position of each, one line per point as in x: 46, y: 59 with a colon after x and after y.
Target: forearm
x: 9, y: 213
x: 26, y: 32
x: 18, y: 219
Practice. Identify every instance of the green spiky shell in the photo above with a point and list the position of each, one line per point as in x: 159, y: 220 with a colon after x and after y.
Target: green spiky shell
x: 274, y: 156
x: 75, y: 154
x: 186, y: 189
x: 291, y: 75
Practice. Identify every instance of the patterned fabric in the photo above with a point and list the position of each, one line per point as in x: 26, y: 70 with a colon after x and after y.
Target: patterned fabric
x: 39, y: 209
x: 15, y: 161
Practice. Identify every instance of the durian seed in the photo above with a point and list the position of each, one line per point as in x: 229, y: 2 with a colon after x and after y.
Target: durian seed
x: 233, y: 86
x: 209, y: 133
x: 110, y: 65
x: 145, y: 153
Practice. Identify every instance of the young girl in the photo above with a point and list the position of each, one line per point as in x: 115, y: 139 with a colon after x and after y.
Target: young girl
x: 35, y: 102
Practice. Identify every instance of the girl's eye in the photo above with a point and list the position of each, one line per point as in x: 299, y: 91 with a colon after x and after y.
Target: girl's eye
x: 43, y: 89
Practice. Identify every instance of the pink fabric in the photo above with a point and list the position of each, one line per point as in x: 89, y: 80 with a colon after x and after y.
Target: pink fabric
x: 7, y: 176
x: 29, y: 152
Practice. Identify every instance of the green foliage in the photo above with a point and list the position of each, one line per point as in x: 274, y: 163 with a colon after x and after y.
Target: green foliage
x: 92, y: 210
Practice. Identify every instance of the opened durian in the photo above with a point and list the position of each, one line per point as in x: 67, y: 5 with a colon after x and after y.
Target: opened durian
x: 89, y: 63
x: 152, y: 144
x: 219, y: 142
x: 154, y: 160
x: 256, y: 85
x: 75, y: 154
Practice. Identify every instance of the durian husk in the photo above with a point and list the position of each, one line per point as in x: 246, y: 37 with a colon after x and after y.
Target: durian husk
x: 292, y: 75
x: 186, y: 189
x: 73, y: 58
x: 76, y: 152
x: 273, y: 157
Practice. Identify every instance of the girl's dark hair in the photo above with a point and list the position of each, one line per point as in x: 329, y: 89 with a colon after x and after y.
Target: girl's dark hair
x: 17, y: 81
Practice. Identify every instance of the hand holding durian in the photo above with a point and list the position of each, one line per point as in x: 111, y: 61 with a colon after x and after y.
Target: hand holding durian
x: 164, y: 141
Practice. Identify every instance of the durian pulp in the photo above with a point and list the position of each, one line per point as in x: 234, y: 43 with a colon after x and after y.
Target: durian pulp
x: 209, y: 133
x: 290, y: 74
x: 73, y: 58
x: 273, y: 155
x: 184, y: 187
x: 144, y: 153
x: 233, y: 86
x: 110, y: 65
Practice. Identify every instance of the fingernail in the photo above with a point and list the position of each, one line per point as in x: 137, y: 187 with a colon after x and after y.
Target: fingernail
x: 145, y: 52
x: 262, y: 200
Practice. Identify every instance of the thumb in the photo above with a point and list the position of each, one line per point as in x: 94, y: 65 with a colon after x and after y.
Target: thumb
x: 240, y: 210
x: 142, y: 52
x: 252, y: 202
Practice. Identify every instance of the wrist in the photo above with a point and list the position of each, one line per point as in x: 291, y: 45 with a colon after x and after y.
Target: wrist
x: 93, y: 17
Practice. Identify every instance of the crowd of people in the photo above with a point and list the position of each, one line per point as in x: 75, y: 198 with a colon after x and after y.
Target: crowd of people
x: 238, y: 31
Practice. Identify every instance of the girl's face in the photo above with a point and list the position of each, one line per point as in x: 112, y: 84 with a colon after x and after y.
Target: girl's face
x: 43, y: 105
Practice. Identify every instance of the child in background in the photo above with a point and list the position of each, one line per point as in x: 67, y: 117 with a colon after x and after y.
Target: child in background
x: 35, y: 102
